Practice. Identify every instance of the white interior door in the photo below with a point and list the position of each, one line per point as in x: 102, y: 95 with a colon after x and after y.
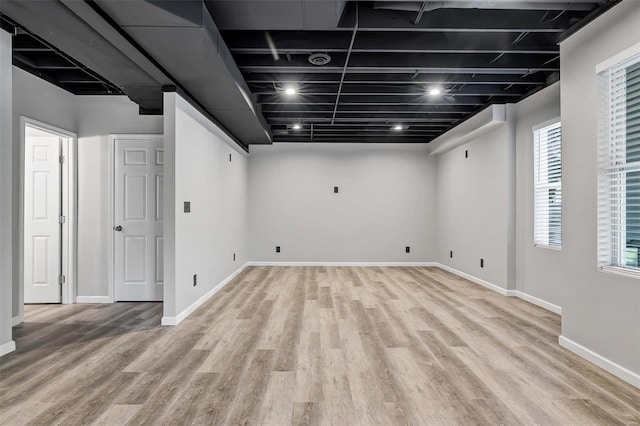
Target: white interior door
x: 42, y: 228
x: 138, y: 203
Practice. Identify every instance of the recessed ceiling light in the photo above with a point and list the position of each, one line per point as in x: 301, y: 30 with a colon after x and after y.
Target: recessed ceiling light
x: 398, y: 127
x: 435, y: 92
x: 290, y: 91
x: 297, y: 126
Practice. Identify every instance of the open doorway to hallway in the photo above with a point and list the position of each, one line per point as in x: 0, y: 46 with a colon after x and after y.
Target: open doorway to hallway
x: 48, y: 219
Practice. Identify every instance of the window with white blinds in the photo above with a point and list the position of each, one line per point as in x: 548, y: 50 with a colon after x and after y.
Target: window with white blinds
x: 619, y: 167
x: 548, y: 185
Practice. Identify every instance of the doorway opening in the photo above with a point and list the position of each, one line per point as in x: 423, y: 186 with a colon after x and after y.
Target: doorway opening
x: 48, y: 214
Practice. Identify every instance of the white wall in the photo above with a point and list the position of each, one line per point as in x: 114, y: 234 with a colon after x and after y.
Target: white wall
x: 537, y: 268
x: 6, y: 189
x: 473, y: 207
x: 92, y: 118
x: 202, y: 242
x: 600, y: 311
x: 97, y: 117
x: 386, y: 201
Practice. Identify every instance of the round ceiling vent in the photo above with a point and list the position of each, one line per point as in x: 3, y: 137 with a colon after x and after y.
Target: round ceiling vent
x: 319, y: 59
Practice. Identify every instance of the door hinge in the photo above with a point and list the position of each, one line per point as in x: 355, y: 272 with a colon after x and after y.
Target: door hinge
x: 62, y: 219
x: 61, y: 158
x: 61, y: 279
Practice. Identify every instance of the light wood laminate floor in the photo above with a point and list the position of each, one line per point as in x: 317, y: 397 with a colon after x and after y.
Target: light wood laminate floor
x: 310, y: 345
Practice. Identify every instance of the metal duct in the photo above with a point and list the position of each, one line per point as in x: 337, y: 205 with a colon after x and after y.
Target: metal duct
x: 427, y: 6
x: 183, y: 38
x: 141, y: 46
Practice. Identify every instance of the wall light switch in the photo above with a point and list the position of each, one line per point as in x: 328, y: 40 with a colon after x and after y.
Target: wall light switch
x: 335, y: 189
x: 407, y: 249
x: 187, y: 206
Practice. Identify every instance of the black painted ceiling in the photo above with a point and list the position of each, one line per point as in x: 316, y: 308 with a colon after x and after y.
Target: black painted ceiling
x: 36, y: 56
x: 385, y: 56
x: 234, y: 59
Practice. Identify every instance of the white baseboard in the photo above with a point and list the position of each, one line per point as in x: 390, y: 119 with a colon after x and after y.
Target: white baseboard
x: 7, y: 348
x: 602, y: 362
x: 483, y: 283
x: 538, y: 302
x: 17, y: 320
x: 195, y: 305
x: 93, y: 299
x: 269, y: 263
x: 510, y: 293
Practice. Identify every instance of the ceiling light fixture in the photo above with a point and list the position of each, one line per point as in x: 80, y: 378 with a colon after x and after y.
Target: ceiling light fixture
x: 297, y: 126
x: 435, y: 92
x: 290, y: 91
x: 398, y: 127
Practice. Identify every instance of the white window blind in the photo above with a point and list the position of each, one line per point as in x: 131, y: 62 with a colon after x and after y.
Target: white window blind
x: 619, y: 166
x: 548, y: 186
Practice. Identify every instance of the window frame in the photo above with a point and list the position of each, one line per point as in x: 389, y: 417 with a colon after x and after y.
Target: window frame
x: 545, y: 186
x: 612, y: 169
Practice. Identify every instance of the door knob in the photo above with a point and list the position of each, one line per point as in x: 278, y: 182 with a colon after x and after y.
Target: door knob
x: 117, y: 228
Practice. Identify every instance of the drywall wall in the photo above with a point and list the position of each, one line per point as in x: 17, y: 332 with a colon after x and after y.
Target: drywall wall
x: 6, y: 227
x: 386, y: 201
x: 202, y: 167
x: 600, y: 311
x: 97, y: 117
x: 537, y: 268
x: 92, y: 118
x: 473, y: 207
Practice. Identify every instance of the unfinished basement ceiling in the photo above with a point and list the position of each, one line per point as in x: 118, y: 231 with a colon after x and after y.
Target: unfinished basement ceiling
x: 363, y: 71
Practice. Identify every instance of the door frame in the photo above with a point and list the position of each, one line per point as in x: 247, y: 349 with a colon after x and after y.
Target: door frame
x: 69, y: 232
x: 111, y: 205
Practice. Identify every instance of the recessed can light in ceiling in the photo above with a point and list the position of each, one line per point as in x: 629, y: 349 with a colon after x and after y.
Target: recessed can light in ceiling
x: 296, y: 126
x: 398, y: 127
x: 435, y: 91
x: 290, y: 91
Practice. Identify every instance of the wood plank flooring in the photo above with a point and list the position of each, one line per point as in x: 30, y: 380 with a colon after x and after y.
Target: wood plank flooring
x: 310, y: 345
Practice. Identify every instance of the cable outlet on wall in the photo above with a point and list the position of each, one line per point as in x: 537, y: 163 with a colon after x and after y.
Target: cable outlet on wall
x: 195, y: 280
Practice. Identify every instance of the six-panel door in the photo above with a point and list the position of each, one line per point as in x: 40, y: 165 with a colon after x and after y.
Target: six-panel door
x: 138, y: 219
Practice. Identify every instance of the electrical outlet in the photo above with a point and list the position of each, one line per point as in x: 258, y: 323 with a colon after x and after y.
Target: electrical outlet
x: 187, y: 206
x: 451, y: 254
x: 277, y: 249
x: 195, y: 280
x: 407, y: 249
x: 335, y: 189
x: 482, y: 263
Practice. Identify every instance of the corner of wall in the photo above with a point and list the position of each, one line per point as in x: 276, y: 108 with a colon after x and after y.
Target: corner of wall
x: 169, y: 298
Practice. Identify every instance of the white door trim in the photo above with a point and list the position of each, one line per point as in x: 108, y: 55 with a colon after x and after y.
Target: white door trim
x: 111, y: 264
x: 69, y: 210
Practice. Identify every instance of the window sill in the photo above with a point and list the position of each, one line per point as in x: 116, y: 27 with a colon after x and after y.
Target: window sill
x: 625, y: 272
x: 543, y: 246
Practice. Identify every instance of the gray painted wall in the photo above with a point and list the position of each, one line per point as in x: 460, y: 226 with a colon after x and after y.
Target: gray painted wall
x: 601, y: 311
x: 537, y: 268
x: 6, y: 189
x: 473, y: 207
x: 386, y: 201
x: 203, y: 241
x: 93, y: 118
